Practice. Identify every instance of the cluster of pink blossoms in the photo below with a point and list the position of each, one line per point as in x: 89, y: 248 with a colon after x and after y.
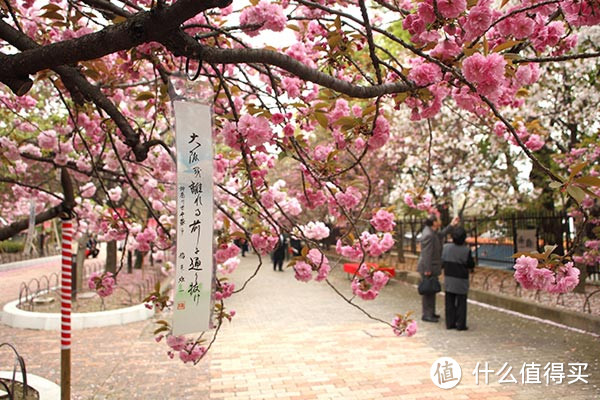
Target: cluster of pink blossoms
x: 591, y: 256
x: 144, y: 239
x: 229, y: 266
x: 425, y: 203
x: 368, y: 282
x: 264, y: 243
x: 532, y: 141
x: 266, y: 14
x: 103, y: 283
x: 224, y: 290
x: 383, y: 221
x: 250, y: 131
x: 486, y: 72
x: 562, y: 279
x: 226, y: 251
x: 315, y: 261
x: 404, y: 325
x: 374, y: 244
x: 315, y: 230
x: 350, y: 198
x: 189, y: 350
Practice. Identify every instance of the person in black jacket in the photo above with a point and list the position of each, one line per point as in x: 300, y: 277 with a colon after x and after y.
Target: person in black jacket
x: 278, y: 255
x: 430, y: 259
x: 457, y: 261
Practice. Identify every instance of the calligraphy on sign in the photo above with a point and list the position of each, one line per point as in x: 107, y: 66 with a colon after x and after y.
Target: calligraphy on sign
x: 194, y: 269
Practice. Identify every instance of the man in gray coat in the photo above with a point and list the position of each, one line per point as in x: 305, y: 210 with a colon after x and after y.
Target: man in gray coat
x: 430, y: 260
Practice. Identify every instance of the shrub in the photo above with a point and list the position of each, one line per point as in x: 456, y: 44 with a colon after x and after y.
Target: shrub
x: 9, y: 246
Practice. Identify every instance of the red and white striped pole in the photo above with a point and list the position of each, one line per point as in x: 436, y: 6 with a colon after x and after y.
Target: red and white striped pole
x: 65, y: 311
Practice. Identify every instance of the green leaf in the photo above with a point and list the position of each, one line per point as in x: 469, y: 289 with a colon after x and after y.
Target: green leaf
x: 321, y: 119
x: 555, y: 185
x: 239, y: 234
x: 346, y: 121
x: 92, y: 74
x: 577, y: 169
x: 506, y: 45
x: 576, y: 193
x: 588, y: 180
x: 52, y: 15
x: 144, y: 96
x: 161, y: 329
x: 549, y: 250
x: 304, y: 251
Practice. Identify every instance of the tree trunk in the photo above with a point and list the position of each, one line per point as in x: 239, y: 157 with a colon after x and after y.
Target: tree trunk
x: 111, y: 256
x: 139, y: 259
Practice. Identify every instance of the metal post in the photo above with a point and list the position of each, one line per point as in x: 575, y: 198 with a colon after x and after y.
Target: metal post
x: 514, y: 232
x: 65, y: 311
x: 476, y: 244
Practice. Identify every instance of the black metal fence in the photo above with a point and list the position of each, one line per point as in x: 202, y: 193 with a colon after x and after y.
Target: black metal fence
x: 496, y: 239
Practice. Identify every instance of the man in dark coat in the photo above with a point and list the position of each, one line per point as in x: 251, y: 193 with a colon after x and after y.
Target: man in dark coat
x: 279, y: 253
x: 457, y: 261
x: 430, y: 259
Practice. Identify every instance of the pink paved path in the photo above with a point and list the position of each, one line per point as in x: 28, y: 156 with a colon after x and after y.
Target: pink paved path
x: 294, y: 340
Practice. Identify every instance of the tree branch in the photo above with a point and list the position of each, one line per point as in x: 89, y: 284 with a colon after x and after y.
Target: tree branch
x: 141, y: 28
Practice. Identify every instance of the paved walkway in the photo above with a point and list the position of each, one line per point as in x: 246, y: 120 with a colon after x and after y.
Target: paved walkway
x: 294, y: 340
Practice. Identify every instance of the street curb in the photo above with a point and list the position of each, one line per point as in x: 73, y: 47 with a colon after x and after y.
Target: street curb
x: 46, y: 389
x: 586, y: 322
x: 28, y: 263
x: 16, y: 318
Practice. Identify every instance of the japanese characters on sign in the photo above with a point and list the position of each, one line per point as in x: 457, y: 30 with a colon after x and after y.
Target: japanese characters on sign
x: 194, y: 262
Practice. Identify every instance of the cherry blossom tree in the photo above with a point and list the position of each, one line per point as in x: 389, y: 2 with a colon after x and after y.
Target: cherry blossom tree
x: 313, y: 84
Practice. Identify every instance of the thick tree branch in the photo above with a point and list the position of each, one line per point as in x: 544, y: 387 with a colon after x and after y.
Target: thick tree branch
x: 79, y: 85
x: 184, y: 45
x: 141, y: 28
x: 64, y: 209
x: 11, y: 230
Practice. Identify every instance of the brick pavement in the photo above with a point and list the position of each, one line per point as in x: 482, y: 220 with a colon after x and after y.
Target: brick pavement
x: 294, y: 340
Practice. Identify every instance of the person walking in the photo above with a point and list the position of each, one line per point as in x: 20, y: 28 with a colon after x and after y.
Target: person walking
x: 457, y: 261
x: 430, y: 260
x: 279, y: 253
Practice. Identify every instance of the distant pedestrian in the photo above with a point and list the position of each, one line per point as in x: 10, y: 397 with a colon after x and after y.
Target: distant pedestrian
x: 242, y: 244
x: 430, y: 260
x: 278, y: 255
x: 457, y: 261
x: 295, y: 246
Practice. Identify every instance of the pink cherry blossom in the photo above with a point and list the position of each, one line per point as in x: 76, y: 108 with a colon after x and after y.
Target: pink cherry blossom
x: 478, y: 22
x: 224, y: 290
x: 383, y: 221
x: 425, y: 73
x: 263, y: 243
x: 451, y: 8
x: 266, y: 14
x: 350, y: 198
x: 103, y: 283
x: 303, y: 271
x: 48, y: 140
x: 486, y: 72
x: 381, y: 133
x: 315, y: 230
x: 226, y: 251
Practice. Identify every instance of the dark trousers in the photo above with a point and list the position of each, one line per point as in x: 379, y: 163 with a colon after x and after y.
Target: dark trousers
x: 428, y: 301
x: 278, y: 262
x: 456, y: 310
